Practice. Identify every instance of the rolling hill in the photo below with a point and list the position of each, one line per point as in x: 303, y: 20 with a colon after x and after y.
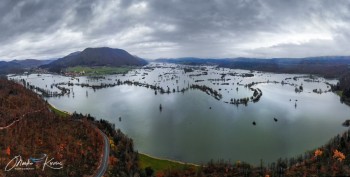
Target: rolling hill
x: 16, y: 66
x: 103, y: 56
x: 332, y: 66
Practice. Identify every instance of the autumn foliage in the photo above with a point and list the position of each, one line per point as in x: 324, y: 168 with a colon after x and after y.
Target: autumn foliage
x: 8, y: 151
x: 338, y: 155
x: 318, y: 153
x: 39, y: 131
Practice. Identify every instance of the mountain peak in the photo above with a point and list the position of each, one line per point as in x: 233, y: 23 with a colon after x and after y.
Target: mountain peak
x: 101, y: 56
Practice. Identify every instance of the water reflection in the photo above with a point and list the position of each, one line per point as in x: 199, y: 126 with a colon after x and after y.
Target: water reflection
x: 195, y: 127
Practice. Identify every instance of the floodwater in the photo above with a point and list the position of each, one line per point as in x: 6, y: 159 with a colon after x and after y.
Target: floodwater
x: 193, y: 126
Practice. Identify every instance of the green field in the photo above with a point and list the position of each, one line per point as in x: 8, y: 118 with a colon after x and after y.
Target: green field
x: 161, y: 164
x: 340, y: 93
x: 98, y: 70
x: 58, y: 112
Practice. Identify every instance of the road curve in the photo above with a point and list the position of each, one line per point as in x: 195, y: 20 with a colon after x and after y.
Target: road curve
x: 104, y: 164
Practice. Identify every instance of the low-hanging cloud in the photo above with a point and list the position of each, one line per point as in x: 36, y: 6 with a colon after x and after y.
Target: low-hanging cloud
x: 175, y: 28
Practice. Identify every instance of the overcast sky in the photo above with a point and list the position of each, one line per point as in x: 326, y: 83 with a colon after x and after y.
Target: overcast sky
x: 175, y: 28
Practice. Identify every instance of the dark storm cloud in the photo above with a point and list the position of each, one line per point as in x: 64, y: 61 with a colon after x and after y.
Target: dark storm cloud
x: 175, y: 28
x: 19, y: 17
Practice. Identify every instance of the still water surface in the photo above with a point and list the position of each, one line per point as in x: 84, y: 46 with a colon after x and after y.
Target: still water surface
x: 195, y: 127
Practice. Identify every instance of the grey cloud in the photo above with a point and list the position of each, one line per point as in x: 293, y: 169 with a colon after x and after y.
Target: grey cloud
x: 29, y: 17
x: 175, y: 28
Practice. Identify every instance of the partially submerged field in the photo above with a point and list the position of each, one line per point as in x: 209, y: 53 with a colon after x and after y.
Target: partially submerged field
x: 161, y: 165
x: 98, y: 70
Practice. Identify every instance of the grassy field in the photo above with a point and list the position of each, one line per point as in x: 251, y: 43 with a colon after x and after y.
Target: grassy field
x: 58, y: 112
x: 99, y: 70
x: 340, y: 93
x: 161, y: 165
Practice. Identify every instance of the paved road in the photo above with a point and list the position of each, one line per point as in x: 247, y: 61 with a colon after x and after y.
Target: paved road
x: 104, y: 164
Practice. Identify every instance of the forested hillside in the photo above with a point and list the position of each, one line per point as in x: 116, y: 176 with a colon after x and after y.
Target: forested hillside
x: 91, y: 57
x: 37, y: 131
x: 33, y: 130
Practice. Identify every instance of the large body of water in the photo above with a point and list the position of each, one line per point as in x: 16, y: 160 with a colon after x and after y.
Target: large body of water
x: 195, y: 127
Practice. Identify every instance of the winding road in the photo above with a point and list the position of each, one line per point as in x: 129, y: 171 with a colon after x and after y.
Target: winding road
x: 104, y: 164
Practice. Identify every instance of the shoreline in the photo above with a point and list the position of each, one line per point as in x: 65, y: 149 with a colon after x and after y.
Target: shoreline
x: 154, y: 157
x: 160, y: 158
x: 145, y: 154
x: 53, y: 106
x: 166, y: 159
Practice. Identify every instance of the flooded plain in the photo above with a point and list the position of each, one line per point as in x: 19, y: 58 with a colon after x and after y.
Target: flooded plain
x: 198, y: 114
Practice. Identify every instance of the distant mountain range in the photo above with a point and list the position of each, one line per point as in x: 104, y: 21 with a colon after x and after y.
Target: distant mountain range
x: 332, y: 66
x: 194, y: 60
x: 103, y: 56
x: 16, y: 66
